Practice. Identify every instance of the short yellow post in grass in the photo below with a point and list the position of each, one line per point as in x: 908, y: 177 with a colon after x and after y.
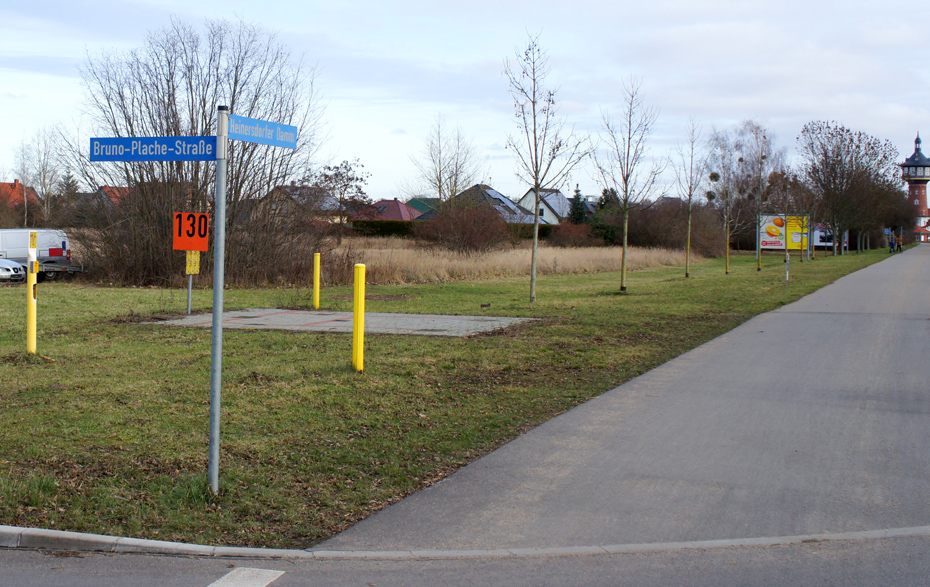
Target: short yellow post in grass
x: 358, y: 322
x: 32, y: 275
x: 316, y: 281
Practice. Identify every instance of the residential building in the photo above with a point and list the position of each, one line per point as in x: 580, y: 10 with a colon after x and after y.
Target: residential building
x: 388, y: 210
x: 554, y: 207
x: 510, y: 211
x: 18, y: 200
x: 423, y: 204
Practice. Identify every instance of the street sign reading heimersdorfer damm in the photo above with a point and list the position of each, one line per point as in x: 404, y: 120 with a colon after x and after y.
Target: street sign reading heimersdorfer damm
x: 261, y: 131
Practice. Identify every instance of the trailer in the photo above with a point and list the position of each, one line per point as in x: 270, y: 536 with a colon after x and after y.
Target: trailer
x: 53, y: 251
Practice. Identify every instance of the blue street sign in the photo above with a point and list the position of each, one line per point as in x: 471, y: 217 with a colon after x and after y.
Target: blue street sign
x: 153, y: 149
x: 260, y: 131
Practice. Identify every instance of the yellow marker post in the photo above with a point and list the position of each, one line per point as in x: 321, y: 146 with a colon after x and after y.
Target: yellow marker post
x: 358, y: 321
x: 316, y: 281
x: 32, y: 274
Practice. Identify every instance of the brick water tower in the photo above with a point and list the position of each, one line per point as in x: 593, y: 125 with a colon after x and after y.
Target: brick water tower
x: 916, y: 172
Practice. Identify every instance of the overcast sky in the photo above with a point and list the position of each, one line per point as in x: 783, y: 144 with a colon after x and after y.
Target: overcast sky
x: 387, y: 68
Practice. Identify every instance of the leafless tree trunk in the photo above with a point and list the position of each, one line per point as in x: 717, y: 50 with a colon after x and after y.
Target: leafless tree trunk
x: 449, y: 163
x: 758, y: 160
x: 724, y: 174
x: 625, y: 164
x: 689, y: 177
x: 24, y: 170
x: 546, y: 151
x: 45, y: 169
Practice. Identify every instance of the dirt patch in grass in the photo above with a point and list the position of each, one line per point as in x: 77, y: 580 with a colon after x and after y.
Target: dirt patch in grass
x: 133, y: 317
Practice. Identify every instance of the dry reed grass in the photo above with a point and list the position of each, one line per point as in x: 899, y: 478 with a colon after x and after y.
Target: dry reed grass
x: 398, y: 261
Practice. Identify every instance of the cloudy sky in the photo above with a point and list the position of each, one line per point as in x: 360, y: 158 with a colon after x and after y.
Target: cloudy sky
x: 387, y: 68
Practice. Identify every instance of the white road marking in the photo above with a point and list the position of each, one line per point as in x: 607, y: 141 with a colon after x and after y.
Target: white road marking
x: 246, y: 577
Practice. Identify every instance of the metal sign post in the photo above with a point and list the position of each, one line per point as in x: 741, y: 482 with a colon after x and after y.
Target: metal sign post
x: 193, y: 268
x: 203, y: 149
x: 219, y: 262
x: 229, y: 126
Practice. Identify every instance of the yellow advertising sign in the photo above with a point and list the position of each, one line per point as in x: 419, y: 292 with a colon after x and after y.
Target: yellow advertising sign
x: 775, y: 231
x: 193, y: 262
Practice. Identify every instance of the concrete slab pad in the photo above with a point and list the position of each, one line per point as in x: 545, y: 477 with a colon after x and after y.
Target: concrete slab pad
x: 375, y: 323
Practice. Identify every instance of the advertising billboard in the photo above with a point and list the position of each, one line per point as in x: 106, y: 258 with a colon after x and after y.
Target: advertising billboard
x: 823, y: 237
x: 776, y: 230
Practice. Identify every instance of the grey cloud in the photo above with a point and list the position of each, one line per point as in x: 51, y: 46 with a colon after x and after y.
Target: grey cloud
x: 55, y: 66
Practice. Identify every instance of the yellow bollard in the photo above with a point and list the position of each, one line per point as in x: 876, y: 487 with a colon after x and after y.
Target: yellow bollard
x: 316, y: 281
x: 358, y: 321
x: 32, y: 275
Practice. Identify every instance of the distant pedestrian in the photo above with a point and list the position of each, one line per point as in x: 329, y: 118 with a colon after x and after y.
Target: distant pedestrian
x: 898, y: 242
x: 891, y: 243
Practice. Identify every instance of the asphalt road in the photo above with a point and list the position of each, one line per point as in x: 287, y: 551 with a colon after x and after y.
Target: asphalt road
x: 810, y: 420
x: 882, y: 563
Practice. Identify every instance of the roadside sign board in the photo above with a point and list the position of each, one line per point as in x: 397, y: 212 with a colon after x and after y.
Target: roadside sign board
x: 191, y: 231
x: 153, y: 149
x: 777, y: 232
x: 263, y: 132
x: 193, y: 262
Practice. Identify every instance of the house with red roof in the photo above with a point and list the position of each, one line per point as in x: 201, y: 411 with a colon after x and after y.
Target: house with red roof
x: 16, y: 195
x: 388, y: 210
x: 113, y: 194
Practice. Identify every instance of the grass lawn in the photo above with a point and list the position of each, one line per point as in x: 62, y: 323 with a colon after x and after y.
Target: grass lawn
x: 107, y: 431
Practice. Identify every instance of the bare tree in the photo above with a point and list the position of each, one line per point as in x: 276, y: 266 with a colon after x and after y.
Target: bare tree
x: 845, y: 169
x: 449, y: 162
x: 724, y: 174
x: 624, y: 163
x: 758, y: 159
x: 23, y: 168
x: 546, y: 150
x: 45, y: 169
x: 342, y: 188
x: 171, y: 86
x: 689, y: 177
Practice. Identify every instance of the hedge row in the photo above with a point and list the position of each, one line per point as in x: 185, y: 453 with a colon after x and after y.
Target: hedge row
x: 403, y: 228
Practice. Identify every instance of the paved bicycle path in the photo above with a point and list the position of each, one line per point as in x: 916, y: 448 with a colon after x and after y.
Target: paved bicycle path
x: 811, y: 419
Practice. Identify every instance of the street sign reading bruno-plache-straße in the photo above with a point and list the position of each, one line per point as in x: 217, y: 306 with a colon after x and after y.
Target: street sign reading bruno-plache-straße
x: 153, y: 149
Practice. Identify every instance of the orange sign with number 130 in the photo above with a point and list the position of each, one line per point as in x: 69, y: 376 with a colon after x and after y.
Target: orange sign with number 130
x: 191, y: 231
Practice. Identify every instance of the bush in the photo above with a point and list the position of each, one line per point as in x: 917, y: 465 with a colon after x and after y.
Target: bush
x: 464, y: 227
x: 573, y: 235
x: 665, y: 225
x: 383, y: 227
x: 520, y: 232
x: 607, y: 225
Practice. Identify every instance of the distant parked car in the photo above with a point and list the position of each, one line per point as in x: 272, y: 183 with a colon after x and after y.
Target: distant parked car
x: 11, y: 272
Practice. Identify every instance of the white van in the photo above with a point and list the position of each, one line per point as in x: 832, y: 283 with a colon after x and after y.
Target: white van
x: 53, y: 251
